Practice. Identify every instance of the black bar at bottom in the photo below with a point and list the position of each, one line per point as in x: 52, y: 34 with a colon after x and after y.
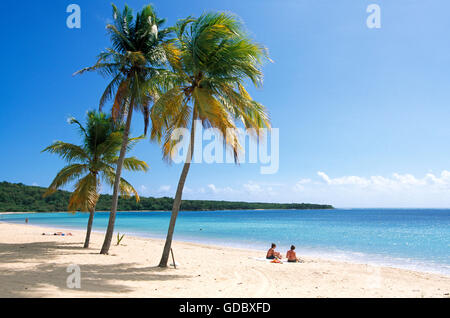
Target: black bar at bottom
x: 220, y: 307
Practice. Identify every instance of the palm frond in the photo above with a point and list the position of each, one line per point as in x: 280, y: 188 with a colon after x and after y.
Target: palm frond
x: 125, y: 188
x: 134, y: 164
x: 85, y: 196
x: 65, y: 176
x: 110, y: 90
x: 68, y: 152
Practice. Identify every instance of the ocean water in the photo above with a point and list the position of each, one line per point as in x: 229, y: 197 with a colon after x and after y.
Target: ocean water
x: 417, y: 239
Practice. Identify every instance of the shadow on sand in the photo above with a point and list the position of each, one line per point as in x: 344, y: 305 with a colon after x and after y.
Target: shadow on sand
x: 42, y: 273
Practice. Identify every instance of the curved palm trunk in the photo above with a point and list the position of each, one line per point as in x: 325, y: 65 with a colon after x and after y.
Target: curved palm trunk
x: 177, y: 201
x: 89, y: 229
x: 115, y: 198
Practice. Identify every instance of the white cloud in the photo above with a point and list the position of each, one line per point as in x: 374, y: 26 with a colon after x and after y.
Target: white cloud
x: 348, y: 180
x: 143, y: 190
x: 212, y: 187
x: 217, y: 190
x: 397, y: 181
x: 394, y: 190
x: 253, y: 187
x: 324, y: 177
x: 164, y: 188
x: 300, y: 185
x: 261, y: 191
x: 408, y: 180
x: 397, y: 190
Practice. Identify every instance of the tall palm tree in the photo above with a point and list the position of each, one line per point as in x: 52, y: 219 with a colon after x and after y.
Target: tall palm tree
x: 137, y: 54
x: 212, y: 58
x: 91, y: 162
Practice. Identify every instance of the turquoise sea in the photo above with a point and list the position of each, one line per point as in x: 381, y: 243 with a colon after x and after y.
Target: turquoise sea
x: 417, y: 239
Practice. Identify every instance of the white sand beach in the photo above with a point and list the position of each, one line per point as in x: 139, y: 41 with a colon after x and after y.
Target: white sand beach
x: 33, y: 265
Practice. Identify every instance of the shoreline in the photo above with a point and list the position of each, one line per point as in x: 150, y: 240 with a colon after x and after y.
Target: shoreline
x: 33, y: 265
x: 148, y: 211
x: 343, y: 257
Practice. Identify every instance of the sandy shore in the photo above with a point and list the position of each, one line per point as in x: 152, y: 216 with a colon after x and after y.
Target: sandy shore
x: 32, y: 265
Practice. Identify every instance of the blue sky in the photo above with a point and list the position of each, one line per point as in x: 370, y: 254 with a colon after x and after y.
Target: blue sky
x: 363, y: 113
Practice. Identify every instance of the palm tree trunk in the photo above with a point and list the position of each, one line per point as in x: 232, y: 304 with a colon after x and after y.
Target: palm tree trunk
x: 177, y: 201
x: 115, y: 197
x: 89, y: 228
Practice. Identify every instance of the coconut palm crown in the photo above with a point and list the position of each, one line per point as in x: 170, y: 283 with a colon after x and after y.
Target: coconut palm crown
x: 136, y: 55
x: 211, y: 60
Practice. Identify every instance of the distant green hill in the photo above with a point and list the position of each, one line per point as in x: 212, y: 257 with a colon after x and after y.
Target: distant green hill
x: 23, y: 198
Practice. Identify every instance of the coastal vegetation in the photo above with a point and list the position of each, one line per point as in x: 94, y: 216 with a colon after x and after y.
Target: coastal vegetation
x: 91, y: 163
x: 23, y: 198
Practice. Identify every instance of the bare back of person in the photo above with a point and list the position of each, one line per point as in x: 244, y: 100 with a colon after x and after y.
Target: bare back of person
x: 291, y: 255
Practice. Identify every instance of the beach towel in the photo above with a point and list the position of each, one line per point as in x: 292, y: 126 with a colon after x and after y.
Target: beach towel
x: 263, y: 259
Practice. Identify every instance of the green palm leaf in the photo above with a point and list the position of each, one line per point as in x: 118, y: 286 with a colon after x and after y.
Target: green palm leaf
x: 65, y: 176
x: 211, y: 59
x: 102, y: 139
x: 67, y: 151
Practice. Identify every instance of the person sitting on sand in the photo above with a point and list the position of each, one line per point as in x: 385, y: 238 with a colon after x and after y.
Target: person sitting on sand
x: 292, y: 256
x: 272, y: 254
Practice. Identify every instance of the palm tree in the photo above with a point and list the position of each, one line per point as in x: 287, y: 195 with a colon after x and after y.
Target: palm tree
x: 136, y: 55
x: 91, y: 162
x: 212, y: 57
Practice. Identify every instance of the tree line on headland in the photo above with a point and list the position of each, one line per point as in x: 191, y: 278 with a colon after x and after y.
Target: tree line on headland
x: 22, y: 198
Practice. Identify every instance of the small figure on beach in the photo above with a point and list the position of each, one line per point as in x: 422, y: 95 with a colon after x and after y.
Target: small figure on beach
x: 57, y: 234
x: 272, y: 254
x: 292, y: 256
x: 26, y: 220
